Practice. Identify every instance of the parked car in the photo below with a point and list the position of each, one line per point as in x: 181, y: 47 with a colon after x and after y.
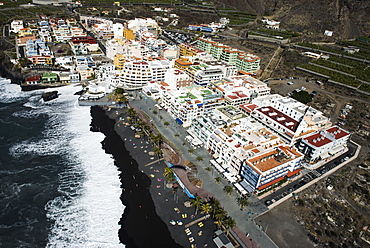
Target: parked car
x: 290, y: 83
x: 268, y: 203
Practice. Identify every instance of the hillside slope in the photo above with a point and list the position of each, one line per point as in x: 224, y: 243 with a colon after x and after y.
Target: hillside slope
x: 347, y: 18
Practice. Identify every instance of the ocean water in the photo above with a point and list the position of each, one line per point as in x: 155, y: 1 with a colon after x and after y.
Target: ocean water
x: 58, y: 187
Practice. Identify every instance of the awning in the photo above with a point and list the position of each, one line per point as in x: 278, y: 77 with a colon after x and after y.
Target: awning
x: 230, y: 177
x: 270, y: 183
x: 218, y: 167
x: 292, y: 173
x: 240, y: 188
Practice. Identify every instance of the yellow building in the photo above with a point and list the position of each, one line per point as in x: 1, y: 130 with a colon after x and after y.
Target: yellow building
x: 188, y: 50
x: 128, y: 34
x: 119, y: 61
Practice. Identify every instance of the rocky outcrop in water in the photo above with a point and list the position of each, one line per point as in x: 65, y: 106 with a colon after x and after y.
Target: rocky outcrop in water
x: 48, y: 96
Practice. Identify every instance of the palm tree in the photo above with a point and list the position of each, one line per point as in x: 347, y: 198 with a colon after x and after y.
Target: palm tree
x: 196, y: 202
x: 228, y: 224
x: 206, y: 208
x: 157, y: 151
x: 199, y: 159
x: 177, y: 135
x: 220, y: 216
x: 155, y: 112
x: 191, y: 150
x: 208, y: 169
x: 124, y: 100
x: 218, y: 179
x: 157, y: 139
x: 215, y: 205
x: 228, y: 189
x: 168, y: 174
x: 166, y: 123
x: 243, y: 202
x: 131, y: 112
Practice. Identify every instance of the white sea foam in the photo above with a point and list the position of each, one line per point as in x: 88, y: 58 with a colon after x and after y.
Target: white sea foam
x: 9, y: 92
x: 91, y: 219
x: 87, y: 212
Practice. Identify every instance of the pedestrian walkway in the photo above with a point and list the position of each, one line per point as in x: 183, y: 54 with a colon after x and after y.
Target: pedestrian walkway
x: 154, y: 162
x: 197, y: 220
x: 244, y: 219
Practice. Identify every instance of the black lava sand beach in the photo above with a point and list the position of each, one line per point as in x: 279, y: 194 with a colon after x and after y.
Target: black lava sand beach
x: 149, y: 203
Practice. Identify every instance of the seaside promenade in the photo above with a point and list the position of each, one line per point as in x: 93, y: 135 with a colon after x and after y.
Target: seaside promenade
x: 244, y: 218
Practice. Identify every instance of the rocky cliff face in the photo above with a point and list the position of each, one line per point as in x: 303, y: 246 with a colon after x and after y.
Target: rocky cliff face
x: 347, y: 18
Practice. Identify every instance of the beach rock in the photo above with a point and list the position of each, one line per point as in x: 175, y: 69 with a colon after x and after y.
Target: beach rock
x: 48, y: 96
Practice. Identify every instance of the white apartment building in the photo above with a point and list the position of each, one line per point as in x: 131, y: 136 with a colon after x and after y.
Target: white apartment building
x: 207, y: 72
x: 136, y: 74
x: 324, y: 144
x: 240, y: 90
x: 238, y: 140
x: 114, y: 46
x: 16, y: 26
x: 147, y: 24
x: 189, y: 102
x: 65, y: 61
x: 289, y: 118
x: 105, y: 71
x: 118, y: 30
x: 176, y: 78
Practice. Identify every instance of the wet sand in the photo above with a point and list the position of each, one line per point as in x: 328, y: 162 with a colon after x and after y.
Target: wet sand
x: 149, y: 203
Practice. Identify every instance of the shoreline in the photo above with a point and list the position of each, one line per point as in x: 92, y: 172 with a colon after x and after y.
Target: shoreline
x: 149, y: 203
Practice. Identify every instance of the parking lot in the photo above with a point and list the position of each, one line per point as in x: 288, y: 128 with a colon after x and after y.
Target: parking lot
x: 287, y: 85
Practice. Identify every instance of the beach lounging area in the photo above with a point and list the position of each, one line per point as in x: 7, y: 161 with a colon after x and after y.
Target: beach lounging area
x: 152, y: 209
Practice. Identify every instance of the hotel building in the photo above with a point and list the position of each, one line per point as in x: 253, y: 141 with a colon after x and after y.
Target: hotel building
x: 270, y: 167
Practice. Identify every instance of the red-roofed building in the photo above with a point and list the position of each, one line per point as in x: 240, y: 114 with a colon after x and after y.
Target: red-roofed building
x: 86, y: 40
x: 324, y: 144
x: 248, y: 108
x: 277, y: 121
x: 33, y: 80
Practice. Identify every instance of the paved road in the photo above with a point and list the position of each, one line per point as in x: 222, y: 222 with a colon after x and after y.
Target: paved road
x: 309, y: 175
x: 244, y: 219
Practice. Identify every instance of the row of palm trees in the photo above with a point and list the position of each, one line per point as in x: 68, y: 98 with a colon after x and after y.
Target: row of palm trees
x: 144, y: 128
x: 217, y: 212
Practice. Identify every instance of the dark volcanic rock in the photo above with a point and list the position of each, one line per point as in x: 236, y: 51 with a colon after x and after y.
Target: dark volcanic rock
x: 47, y: 96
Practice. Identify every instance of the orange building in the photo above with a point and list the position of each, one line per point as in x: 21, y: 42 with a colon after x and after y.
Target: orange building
x: 128, y: 34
